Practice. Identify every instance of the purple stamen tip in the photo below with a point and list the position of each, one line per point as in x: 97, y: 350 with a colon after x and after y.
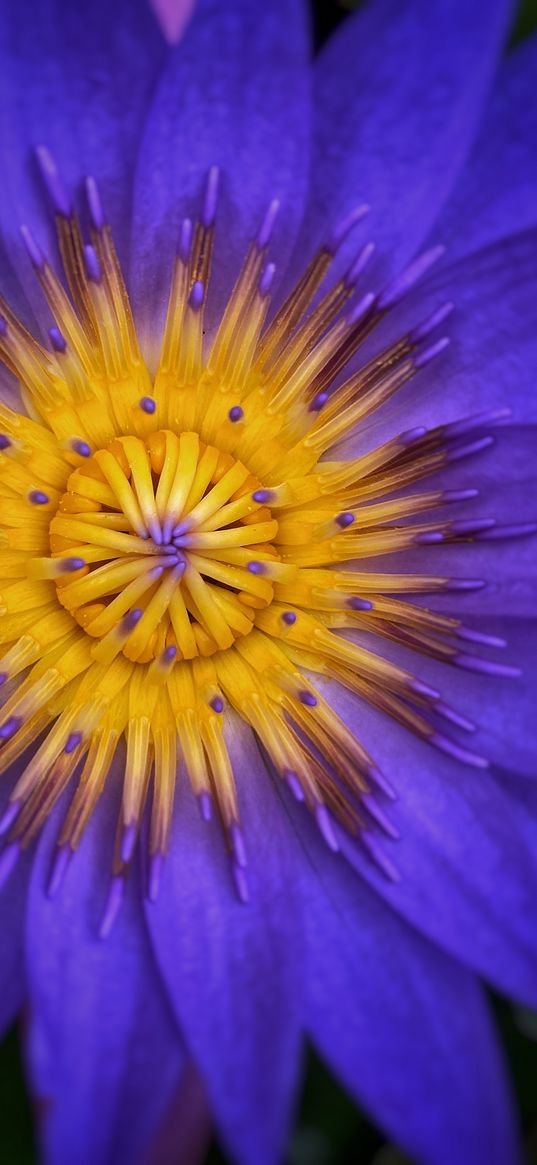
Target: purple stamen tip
x: 197, y: 295
x: 130, y: 620
x: 236, y: 837
x: 357, y: 604
x: 10, y: 727
x: 56, y: 189
x: 263, y: 495
x: 411, y: 435
x: 466, y: 424
x: 318, y: 402
x: 92, y: 264
x: 60, y: 865
x: 148, y: 404
x: 459, y: 495
x: 241, y: 882
x: 35, y: 254
x: 8, y: 861
x: 73, y: 741
x: 385, y: 865
x: 95, y: 205
x: 5, y: 442
x: 307, y: 698
x: 217, y: 704
x: 324, y: 823
x: 293, y: 781
x: 344, y: 228
x: 289, y: 618
x: 465, y: 584
x: 38, y: 498
x: 433, y: 321
x: 236, y: 413
x: 3, y: 677
x: 427, y: 354
x: 457, y: 752
x: 113, y: 903
x: 185, y: 240
x: 429, y: 537
x: 360, y: 264
x: 57, y: 340
x: 267, y: 279
x: 211, y: 197
x: 360, y: 309
x: 156, y: 864
x: 9, y: 816
x: 72, y: 564
x: 472, y: 526
x: 81, y: 447
x: 409, y: 277
x: 473, y: 636
x: 462, y: 451
x: 205, y: 804
x: 169, y: 654
x: 422, y: 689
x: 128, y: 841
x: 377, y: 813
x: 267, y: 226
x: 382, y: 783
x: 256, y: 567
x: 486, y: 667
x: 345, y: 519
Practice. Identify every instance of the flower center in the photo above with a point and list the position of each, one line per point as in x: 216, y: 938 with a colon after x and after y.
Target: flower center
x: 159, y: 549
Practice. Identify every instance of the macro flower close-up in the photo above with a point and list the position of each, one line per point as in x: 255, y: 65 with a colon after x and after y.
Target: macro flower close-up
x: 268, y: 515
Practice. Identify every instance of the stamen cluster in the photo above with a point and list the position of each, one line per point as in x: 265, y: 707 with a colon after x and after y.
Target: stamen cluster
x: 178, y: 543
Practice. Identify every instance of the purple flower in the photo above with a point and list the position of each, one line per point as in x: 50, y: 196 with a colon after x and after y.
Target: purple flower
x: 264, y: 542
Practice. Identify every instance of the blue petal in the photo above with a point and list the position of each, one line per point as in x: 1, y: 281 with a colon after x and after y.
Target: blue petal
x: 491, y: 359
x: 234, y: 95
x: 103, y: 1047
x: 399, y: 93
x: 78, y: 81
x: 465, y: 856
x: 495, y: 194
x: 404, y: 1027
x: 233, y: 970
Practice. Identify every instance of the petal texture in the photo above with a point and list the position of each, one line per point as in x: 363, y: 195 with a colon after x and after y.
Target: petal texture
x: 461, y: 833
x: 495, y: 194
x: 103, y: 1050
x: 396, y: 1019
x: 234, y: 971
x: 398, y: 95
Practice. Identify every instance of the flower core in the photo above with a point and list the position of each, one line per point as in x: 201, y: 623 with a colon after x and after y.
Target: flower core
x: 168, y: 522
x: 182, y: 546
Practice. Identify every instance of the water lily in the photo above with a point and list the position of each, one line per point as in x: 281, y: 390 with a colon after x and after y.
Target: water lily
x: 268, y: 581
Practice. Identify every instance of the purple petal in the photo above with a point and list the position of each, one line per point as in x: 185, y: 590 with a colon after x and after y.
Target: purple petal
x: 399, y: 92
x: 173, y: 17
x: 234, y: 95
x: 396, y: 1018
x: 78, y: 82
x: 491, y: 359
x: 466, y: 854
x: 103, y: 1047
x: 495, y: 194
x: 234, y: 971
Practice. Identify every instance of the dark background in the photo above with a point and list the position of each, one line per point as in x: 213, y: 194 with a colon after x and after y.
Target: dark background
x: 330, y: 1130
